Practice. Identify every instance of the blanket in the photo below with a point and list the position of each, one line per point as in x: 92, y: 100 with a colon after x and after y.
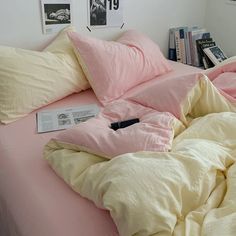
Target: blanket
x: 174, y: 172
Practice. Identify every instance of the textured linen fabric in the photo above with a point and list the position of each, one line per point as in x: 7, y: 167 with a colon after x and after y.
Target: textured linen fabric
x: 113, y: 67
x: 188, y: 190
x: 31, y: 79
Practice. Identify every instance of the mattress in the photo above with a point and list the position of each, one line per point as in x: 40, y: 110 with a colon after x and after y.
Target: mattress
x: 34, y: 201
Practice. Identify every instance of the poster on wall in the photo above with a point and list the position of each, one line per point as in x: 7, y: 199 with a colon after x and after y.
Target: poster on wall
x: 105, y: 13
x: 56, y: 15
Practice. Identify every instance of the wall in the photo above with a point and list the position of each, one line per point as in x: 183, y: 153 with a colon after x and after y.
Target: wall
x: 220, y: 21
x: 20, y: 20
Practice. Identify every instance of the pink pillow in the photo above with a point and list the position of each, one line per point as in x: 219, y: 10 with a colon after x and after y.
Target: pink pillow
x: 173, y: 95
x: 112, y: 68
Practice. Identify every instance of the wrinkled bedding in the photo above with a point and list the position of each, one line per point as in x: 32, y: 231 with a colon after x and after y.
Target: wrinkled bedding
x: 174, y: 172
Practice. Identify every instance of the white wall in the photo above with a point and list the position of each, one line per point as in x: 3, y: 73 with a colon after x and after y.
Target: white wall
x: 20, y: 20
x: 221, y: 22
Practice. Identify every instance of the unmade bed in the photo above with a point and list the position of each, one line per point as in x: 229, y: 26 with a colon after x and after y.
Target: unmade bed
x: 172, y: 173
x: 34, y: 201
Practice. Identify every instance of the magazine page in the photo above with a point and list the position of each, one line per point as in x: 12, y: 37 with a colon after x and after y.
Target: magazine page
x: 58, y: 119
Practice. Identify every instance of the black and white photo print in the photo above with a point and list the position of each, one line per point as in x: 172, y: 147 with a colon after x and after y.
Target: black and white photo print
x: 98, y: 16
x: 56, y: 14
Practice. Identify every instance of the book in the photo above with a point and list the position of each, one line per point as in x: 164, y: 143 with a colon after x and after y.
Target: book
x: 64, y: 118
x: 199, y: 43
x: 187, y: 43
x: 177, y: 45
x: 206, y: 60
x: 215, y: 54
x: 179, y: 37
x: 200, y: 33
x: 180, y: 44
x: 172, y: 47
x: 182, y: 36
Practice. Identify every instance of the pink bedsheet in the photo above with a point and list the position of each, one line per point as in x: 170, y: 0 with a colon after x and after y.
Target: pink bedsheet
x: 38, y: 202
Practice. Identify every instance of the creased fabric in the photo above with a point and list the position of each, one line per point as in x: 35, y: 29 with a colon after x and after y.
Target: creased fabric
x: 187, y: 188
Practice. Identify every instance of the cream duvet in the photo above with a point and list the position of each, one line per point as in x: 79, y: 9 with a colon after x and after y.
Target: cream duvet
x: 174, y: 172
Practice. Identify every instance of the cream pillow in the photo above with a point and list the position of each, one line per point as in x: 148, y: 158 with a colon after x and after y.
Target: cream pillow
x: 31, y: 79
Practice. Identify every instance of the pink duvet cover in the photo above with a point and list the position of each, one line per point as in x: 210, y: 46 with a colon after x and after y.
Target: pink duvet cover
x: 32, y: 197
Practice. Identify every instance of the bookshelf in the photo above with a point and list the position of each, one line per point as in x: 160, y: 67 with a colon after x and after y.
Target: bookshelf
x: 194, y: 46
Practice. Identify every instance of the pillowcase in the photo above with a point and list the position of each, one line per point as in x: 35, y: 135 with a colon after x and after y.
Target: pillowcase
x: 31, y: 79
x: 176, y: 95
x: 112, y: 68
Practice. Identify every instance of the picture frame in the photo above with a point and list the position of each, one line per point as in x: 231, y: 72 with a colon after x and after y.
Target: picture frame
x: 105, y: 13
x: 56, y: 15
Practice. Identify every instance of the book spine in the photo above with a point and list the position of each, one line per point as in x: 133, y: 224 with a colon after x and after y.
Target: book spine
x: 195, y: 52
x: 195, y: 34
x: 177, y: 46
x: 172, y: 49
x: 191, y: 47
x: 182, y: 45
x: 187, y: 48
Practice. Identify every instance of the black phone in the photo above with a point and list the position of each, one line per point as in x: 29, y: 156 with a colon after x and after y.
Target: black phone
x: 122, y: 124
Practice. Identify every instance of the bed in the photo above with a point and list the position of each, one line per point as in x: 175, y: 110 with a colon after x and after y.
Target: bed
x: 33, y: 199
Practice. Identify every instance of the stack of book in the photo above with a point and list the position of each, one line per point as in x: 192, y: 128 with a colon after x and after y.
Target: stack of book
x: 194, y: 46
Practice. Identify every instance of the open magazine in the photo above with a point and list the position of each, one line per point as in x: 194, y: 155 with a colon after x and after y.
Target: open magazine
x: 58, y: 119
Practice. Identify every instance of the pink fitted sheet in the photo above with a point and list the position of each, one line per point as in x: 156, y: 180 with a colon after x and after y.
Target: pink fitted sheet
x: 33, y: 200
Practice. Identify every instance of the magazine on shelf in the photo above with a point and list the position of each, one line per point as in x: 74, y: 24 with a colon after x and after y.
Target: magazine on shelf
x: 215, y: 54
x: 195, y: 35
x: 206, y: 60
x: 200, y: 51
x: 59, y: 119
